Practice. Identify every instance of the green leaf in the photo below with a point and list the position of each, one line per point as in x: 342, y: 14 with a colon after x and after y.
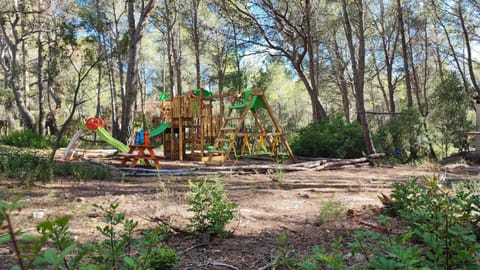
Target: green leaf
x: 28, y: 238
x: 5, y: 238
x: 129, y: 261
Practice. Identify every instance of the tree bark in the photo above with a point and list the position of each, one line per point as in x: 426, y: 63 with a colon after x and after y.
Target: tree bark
x: 358, y: 66
x: 135, y: 33
x: 13, y: 68
x: 406, y: 69
x: 468, y: 48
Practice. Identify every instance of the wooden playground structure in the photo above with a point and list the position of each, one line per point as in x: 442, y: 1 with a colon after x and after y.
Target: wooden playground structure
x: 199, y: 131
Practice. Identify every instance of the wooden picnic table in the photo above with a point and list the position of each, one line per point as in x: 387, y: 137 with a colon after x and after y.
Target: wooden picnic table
x: 140, y: 152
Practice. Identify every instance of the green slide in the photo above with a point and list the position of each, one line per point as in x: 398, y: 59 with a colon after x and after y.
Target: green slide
x: 158, y: 130
x: 110, y: 140
x: 256, y: 103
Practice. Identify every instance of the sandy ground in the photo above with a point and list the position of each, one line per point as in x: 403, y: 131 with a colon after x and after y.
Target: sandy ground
x: 268, y: 205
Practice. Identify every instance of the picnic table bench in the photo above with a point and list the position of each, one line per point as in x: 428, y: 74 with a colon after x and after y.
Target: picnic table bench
x: 140, y: 152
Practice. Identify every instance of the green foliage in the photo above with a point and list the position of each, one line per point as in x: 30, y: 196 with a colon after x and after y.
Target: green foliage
x: 81, y: 171
x: 29, y: 139
x: 390, y: 251
x: 26, y: 138
x: 400, y: 133
x: 163, y: 258
x: 320, y: 259
x: 445, y: 225
x: 29, y: 168
x: 329, y: 210
x: 332, y: 138
x: 211, y: 208
x: 55, y: 248
x: 450, y: 103
x: 25, y: 166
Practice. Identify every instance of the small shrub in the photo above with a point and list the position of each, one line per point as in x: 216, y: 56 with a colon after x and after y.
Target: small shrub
x: 211, y: 207
x: 332, y: 138
x: 55, y: 248
x: 26, y: 166
x: 329, y: 211
x: 320, y: 259
x: 29, y: 139
x: 401, y: 133
x: 26, y: 138
x: 446, y: 225
x: 81, y: 171
x: 163, y: 258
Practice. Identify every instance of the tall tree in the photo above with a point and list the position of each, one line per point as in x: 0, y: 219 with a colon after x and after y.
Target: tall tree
x: 193, y: 24
x: 135, y: 34
x: 166, y: 20
x: 404, y: 46
x: 387, y: 30
x: 12, y: 38
x: 357, y: 56
x: 288, y: 29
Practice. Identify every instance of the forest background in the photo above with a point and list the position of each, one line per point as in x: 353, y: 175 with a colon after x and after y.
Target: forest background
x: 403, y: 73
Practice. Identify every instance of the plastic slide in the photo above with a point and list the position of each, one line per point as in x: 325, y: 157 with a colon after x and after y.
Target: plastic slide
x: 102, y: 132
x: 72, y: 145
x: 256, y: 102
x: 98, y: 125
x: 159, y: 130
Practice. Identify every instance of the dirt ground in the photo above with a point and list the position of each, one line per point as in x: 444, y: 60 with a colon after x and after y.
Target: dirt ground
x: 268, y: 205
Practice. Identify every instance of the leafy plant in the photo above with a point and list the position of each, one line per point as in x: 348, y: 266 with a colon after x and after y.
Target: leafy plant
x: 55, y: 248
x: 445, y: 225
x: 329, y: 211
x: 400, y: 133
x: 211, y: 208
x: 387, y: 251
x: 118, y: 235
x: 321, y: 259
x: 81, y: 171
x: 163, y: 258
x: 286, y: 252
x: 331, y: 138
x: 26, y: 166
x: 449, y: 112
x: 26, y: 138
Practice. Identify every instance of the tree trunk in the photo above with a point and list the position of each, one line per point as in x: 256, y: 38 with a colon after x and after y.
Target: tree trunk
x: 358, y: 67
x: 26, y: 115
x: 41, y: 97
x: 340, y: 80
x: 135, y: 33
x: 196, y: 42
x: 177, y: 56
x: 468, y: 49
x: 406, y: 69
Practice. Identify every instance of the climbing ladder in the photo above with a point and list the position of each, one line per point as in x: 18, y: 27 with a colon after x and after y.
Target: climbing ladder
x: 231, y: 129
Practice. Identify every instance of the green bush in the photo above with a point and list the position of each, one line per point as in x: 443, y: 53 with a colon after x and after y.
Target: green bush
x: 81, y: 171
x: 450, y: 104
x: 26, y: 138
x: 163, y: 258
x: 54, y: 247
x: 29, y: 139
x: 446, y: 226
x: 401, y: 133
x: 211, y: 208
x: 25, y: 166
x: 29, y: 168
x: 333, y: 138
